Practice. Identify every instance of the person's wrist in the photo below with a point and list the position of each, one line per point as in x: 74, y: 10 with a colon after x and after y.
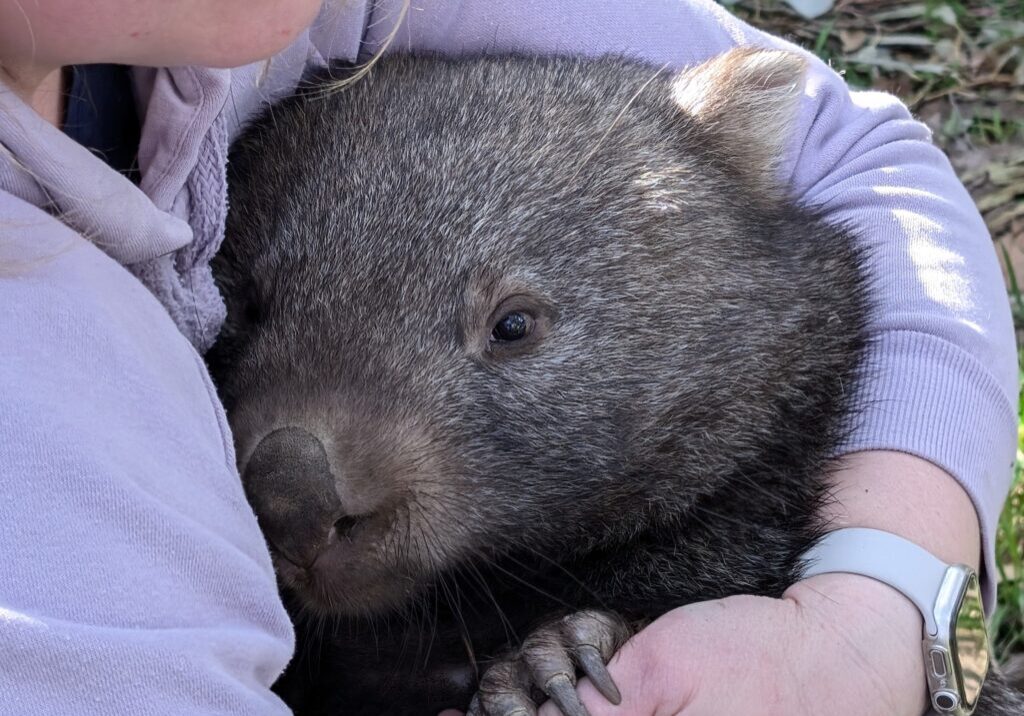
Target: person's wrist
x: 873, y: 628
x: 879, y: 628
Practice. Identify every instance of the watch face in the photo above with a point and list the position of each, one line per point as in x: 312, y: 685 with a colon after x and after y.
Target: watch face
x: 970, y: 642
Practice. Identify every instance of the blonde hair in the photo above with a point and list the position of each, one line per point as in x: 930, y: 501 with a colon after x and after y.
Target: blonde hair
x: 364, y: 69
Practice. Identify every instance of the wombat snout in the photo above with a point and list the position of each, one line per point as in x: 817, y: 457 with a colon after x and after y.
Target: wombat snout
x: 288, y: 481
x: 332, y: 510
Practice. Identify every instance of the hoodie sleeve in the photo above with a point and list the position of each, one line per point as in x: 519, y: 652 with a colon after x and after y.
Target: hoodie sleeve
x: 134, y: 579
x: 943, y: 361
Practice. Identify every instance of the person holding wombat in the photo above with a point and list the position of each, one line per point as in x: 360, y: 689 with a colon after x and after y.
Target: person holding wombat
x: 136, y: 579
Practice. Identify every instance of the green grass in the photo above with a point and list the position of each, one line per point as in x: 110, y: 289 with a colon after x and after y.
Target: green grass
x: 1008, y: 618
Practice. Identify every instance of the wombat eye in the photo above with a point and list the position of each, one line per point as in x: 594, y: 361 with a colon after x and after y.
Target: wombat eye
x: 512, y: 327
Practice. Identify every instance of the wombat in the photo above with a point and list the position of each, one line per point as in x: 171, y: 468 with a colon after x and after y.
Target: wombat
x: 522, y: 353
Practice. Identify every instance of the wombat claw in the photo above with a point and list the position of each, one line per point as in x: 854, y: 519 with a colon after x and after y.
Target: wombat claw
x: 548, y: 662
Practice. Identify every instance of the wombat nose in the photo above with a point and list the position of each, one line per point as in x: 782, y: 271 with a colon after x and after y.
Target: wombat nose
x: 289, y: 484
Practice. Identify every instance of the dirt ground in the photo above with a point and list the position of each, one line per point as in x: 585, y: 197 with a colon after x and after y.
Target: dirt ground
x: 958, y: 64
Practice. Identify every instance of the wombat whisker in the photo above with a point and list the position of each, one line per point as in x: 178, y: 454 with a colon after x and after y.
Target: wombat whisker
x: 455, y: 607
x: 452, y: 509
x: 494, y: 565
x: 560, y: 567
x: 304, y: 616
x: 510, y: 632
x: 434, y: 617
x: 316, y: 621
x: 415, y: 613
x: 428, y: 544
x: 397, y: 663
x: 429, y: 617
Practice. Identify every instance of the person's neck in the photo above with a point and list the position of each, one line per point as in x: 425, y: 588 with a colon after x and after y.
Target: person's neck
x: 41, y: 88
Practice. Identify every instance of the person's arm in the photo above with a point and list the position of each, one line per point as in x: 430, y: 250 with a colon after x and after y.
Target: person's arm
x: 923, y: 503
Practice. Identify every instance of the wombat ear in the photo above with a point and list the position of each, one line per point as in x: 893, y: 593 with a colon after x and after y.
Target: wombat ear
x: 747, y: 98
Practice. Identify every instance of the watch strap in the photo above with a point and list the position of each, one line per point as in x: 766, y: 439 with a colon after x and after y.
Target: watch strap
x: 889, y: 558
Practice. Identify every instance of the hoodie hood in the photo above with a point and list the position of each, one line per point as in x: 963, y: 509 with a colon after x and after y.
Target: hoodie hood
x: 166, y: 229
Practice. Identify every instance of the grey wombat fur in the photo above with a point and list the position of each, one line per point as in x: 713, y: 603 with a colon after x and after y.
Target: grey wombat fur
x: 661, y: 437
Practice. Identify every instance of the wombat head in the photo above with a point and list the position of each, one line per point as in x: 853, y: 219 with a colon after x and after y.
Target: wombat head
x: 510, y: 304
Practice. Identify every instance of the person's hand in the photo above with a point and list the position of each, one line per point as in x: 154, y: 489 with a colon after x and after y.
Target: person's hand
x: 836, y: 644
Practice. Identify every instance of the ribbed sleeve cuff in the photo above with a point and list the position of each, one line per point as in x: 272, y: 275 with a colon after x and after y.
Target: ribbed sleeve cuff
x: 928, y: 397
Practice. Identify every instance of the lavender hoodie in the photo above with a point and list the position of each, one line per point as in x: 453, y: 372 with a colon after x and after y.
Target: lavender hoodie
x: 133, y: 578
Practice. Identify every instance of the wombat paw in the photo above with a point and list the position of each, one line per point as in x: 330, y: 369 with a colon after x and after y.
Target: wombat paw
x: 547, y: 664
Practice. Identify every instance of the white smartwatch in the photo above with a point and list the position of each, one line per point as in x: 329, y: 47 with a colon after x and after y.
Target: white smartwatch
x: 955, y: 644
